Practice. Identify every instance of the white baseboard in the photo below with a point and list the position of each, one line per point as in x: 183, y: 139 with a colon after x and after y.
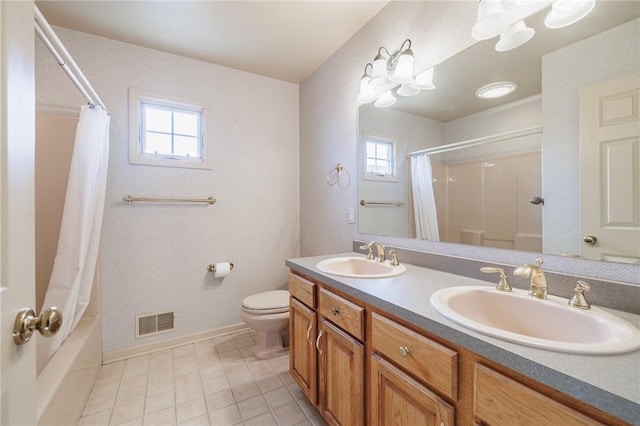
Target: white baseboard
x: 147, y: 348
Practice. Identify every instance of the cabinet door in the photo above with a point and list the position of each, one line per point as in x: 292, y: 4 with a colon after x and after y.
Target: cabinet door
x: 341, y: 373
x: 501, y: 401
x: 397, y: 399
x: 302, y: 350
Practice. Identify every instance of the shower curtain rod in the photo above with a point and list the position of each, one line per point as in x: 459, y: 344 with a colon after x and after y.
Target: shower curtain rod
x: 64, y: 59
x: 478, y: 141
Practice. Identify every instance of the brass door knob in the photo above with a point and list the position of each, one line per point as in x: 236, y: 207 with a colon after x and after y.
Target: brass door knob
x: 48, y: 324
x: 590, y: 239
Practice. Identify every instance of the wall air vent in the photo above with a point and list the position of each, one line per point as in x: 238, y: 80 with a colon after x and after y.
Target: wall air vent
x: 154, y: 323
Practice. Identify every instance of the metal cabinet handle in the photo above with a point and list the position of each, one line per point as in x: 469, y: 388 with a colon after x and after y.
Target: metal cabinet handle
x: 336, y: 311
x: 308, y: 333
x: 48, y: 324
x: 318, y: 342
x: 404, y: 351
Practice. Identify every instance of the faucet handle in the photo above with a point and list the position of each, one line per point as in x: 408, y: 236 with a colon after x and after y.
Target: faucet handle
x: 578, y: 300
x: 368, y: 246
x: 503, y: 285
x: 394, y: 258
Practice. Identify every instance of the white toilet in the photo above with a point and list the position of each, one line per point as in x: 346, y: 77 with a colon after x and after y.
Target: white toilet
x: 268, y: 314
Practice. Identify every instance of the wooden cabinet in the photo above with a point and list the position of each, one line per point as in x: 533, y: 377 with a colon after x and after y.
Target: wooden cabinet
x: 398, y: 399
x: 346, y: 315
x: 326, y: 353
x: 432, y: 363
x: 341, y: 374
x: 302, y: 350
x: 412, y: 376
x: 501, y: 401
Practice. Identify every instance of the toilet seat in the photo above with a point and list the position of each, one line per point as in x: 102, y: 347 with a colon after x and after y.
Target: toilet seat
x: 268, y: 302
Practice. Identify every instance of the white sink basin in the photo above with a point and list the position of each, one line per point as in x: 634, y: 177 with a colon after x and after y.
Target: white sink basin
x: 359, y: 267
x: 546, y: 324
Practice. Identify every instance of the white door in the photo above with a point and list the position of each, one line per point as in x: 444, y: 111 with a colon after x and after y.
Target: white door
x: 610, y: 169
x: 17, y: 256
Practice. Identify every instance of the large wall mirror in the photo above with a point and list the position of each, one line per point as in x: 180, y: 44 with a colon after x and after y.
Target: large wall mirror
x: 504, y: 173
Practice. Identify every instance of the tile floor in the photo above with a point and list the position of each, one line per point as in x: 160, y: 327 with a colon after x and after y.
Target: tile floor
x: 215, y: 382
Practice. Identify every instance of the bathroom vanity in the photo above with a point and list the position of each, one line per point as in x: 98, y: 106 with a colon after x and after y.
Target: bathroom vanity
x: 374, y: 351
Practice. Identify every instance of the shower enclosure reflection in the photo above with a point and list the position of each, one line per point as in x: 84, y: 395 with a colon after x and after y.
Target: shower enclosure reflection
x: 472, y: 192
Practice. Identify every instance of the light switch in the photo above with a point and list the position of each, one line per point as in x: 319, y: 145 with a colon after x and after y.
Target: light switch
x: 352, y: 215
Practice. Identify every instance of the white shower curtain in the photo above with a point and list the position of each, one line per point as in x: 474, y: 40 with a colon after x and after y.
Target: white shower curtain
x: 424, y: 202
x: 76, y: 258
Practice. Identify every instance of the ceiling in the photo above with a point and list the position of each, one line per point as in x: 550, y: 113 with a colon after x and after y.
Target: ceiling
x: 285, y: 40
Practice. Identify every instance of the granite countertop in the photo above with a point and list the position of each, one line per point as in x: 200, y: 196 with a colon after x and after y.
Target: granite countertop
x: 608, y: 382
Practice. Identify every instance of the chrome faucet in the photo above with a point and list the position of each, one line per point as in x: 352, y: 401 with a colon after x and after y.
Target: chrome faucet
x: 538, y: 286
x: 380, y: 250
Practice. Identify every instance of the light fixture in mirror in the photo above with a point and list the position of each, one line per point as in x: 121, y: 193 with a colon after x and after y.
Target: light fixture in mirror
x: 567, y: 12
x: 393, y: 72
x: 496, y: 90
x: 515, y: 36
x: 492, y: 20
x: 453, y: 114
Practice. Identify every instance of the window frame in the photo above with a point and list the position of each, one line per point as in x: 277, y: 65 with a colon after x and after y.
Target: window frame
x: 378, y: 138
x: 138, y: 98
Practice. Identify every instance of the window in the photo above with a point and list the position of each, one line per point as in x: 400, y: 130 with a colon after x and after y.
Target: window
x: 167, y: 131
x: 380, y: 161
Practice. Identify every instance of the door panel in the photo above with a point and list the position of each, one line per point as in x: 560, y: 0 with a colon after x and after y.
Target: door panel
x: 17, y: 252
x: 397, y: 399
x: 610, y: 169
x: 341, y: 369
x: 302, y: 350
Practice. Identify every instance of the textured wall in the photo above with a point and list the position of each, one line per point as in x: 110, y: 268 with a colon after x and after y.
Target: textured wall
x: 154, y: 256
x: 328, y: 133
x: 410, y: 133
x: 328, y: 110
x: 611, y: 54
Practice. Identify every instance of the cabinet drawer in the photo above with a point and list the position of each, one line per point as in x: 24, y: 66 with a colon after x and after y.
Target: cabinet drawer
x: 341, y: 312
x: 303, y: 290
x: 434, y: 364
x: 500, y: 400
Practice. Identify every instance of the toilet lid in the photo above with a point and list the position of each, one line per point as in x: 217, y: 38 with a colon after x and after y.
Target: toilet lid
x: 269, y: 300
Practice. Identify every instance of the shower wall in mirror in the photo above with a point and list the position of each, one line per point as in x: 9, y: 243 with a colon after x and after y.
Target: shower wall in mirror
x: 490, y: 193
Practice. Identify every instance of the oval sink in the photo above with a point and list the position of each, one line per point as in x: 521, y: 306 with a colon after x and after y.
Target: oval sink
x: 545, y: 324
x: 359, y: 267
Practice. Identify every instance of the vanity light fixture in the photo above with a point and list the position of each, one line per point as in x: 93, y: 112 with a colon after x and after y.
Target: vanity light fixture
x: 424, y: 80
x: 367, y: 91
x: 566, y: 12
x: 496, y: 90
x: 385, y: 100
x: 388, y: 71
x: 407, y: 90
x: 515, y: 36
x: 396, y: 67
x: 492, y: 20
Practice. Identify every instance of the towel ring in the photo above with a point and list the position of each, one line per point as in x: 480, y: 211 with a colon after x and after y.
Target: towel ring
x: 338, y: 171
x: 334, y: 176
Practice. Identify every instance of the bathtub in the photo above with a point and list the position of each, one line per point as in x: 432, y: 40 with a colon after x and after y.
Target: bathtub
x: 65, y: 382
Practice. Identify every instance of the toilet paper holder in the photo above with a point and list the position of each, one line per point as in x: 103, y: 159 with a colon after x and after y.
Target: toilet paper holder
x: 212, y: 267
